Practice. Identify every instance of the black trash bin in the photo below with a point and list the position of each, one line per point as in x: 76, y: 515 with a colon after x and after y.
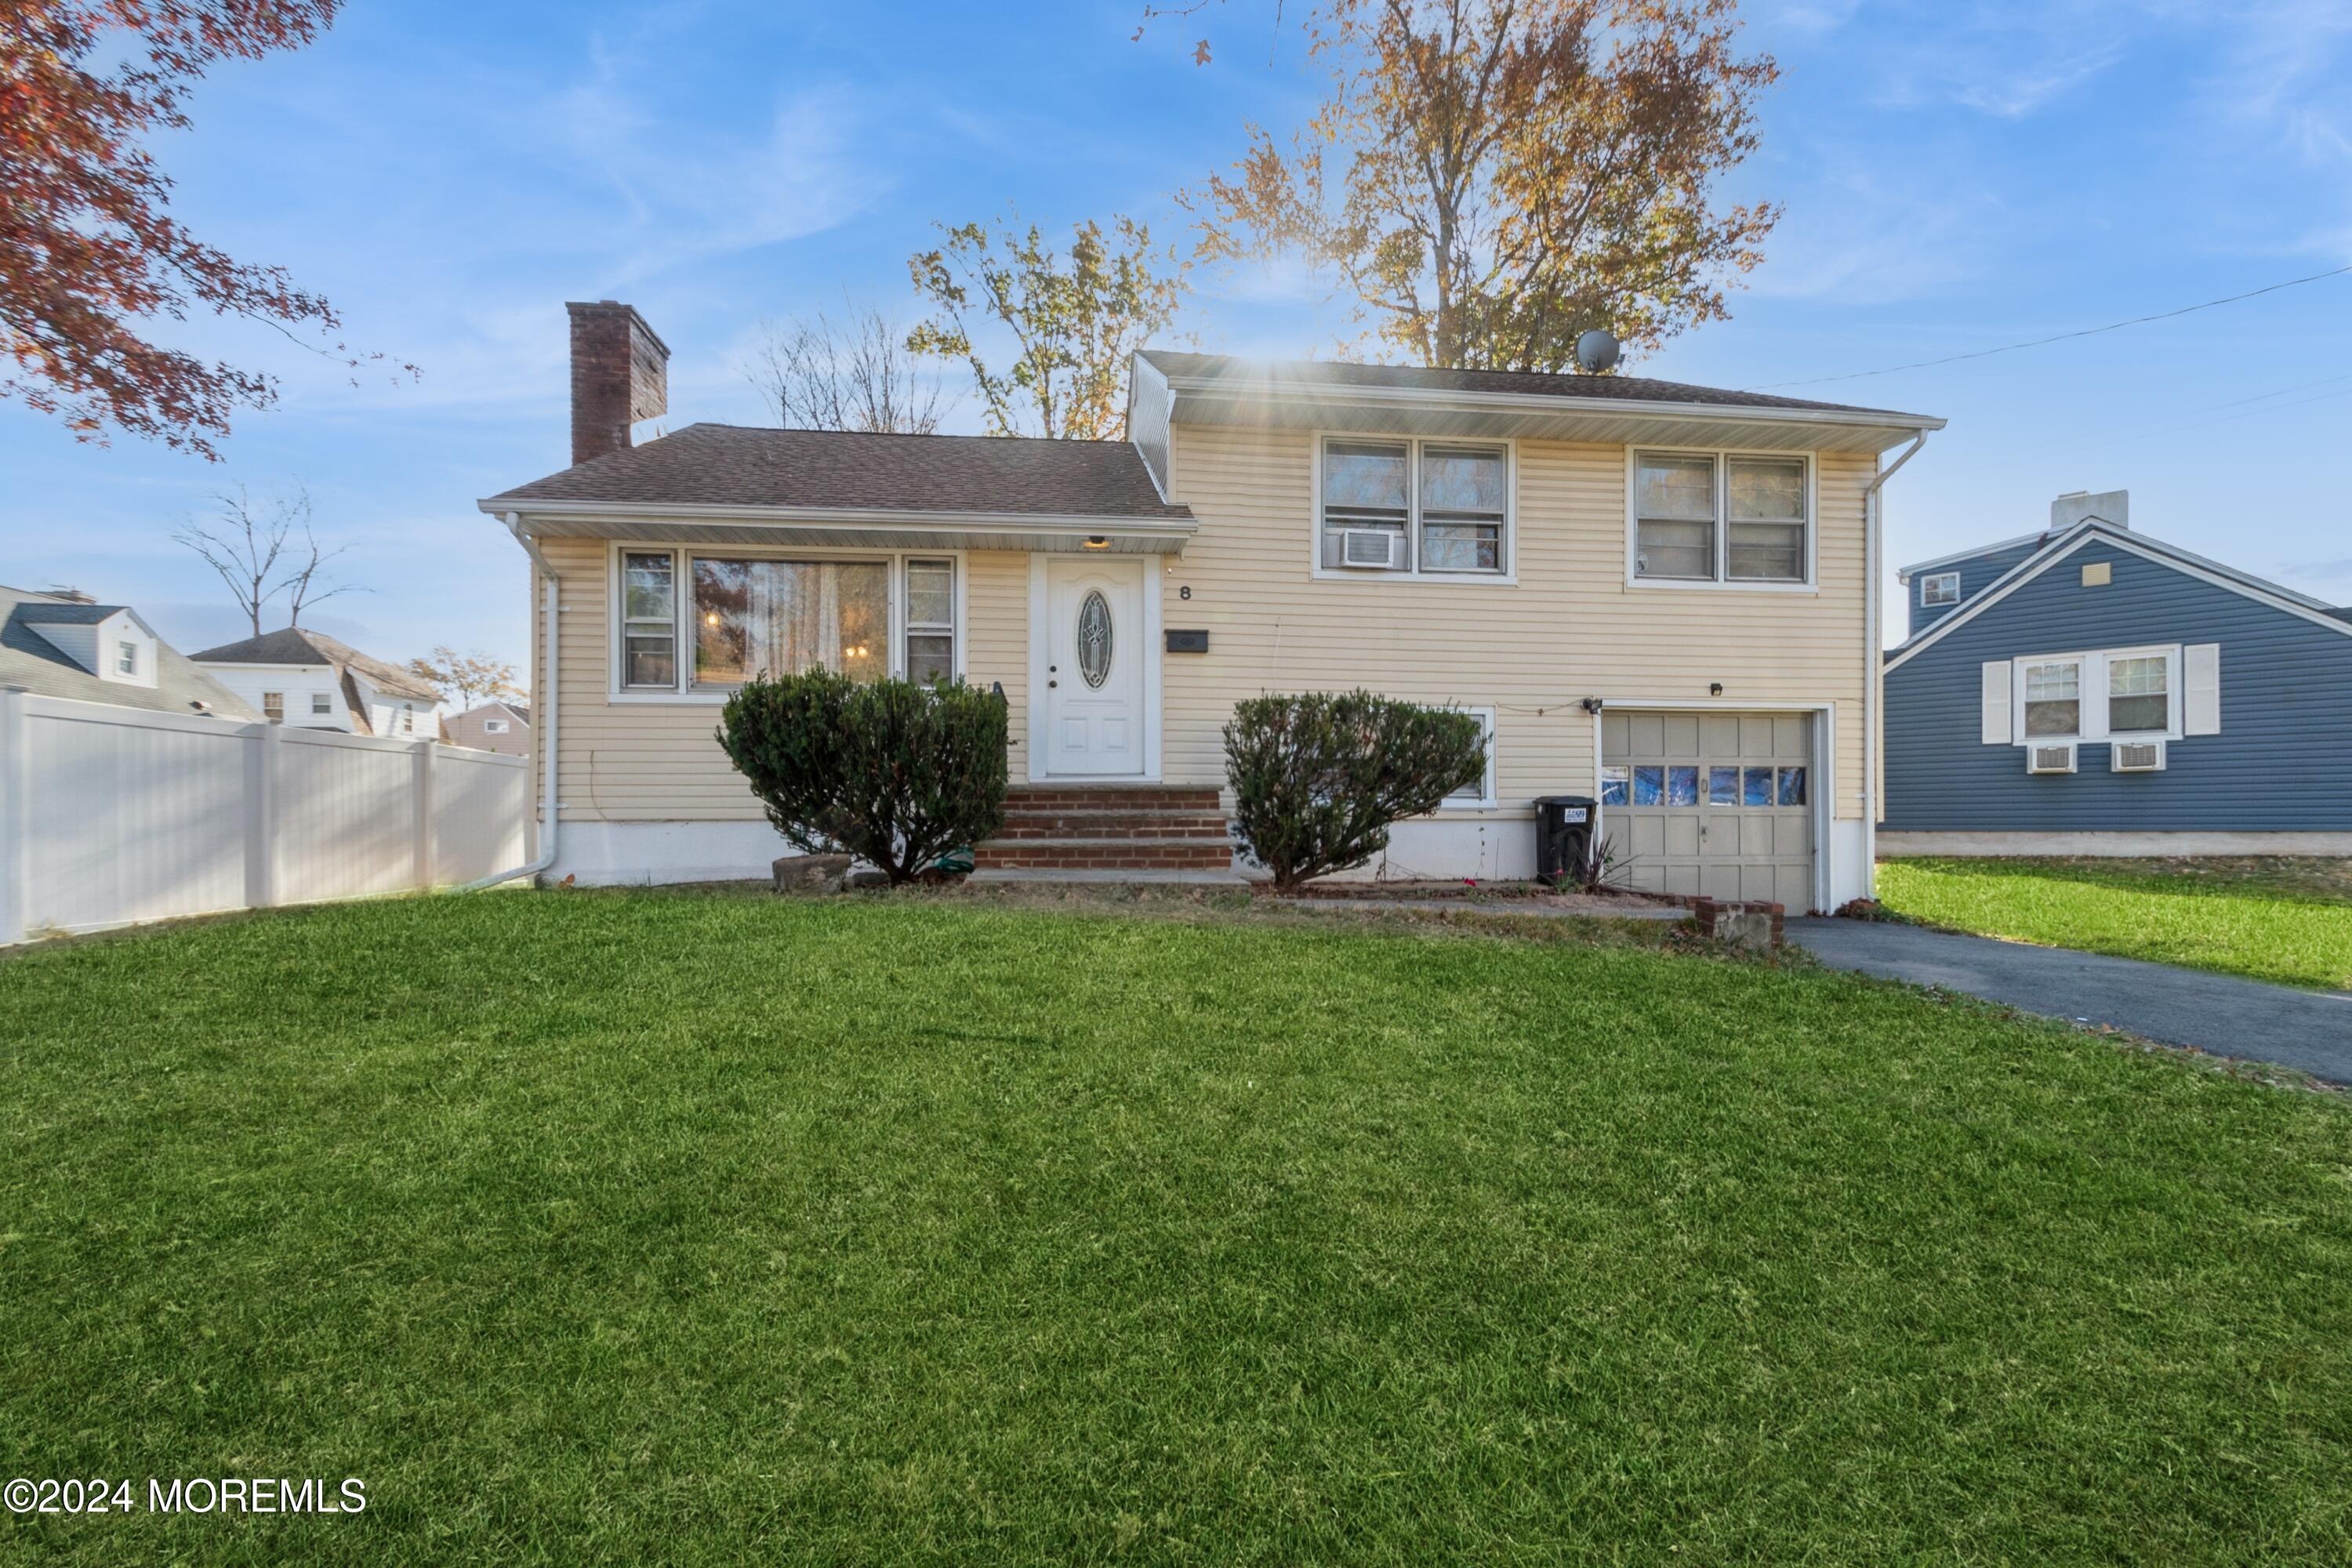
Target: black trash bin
x: 1563, y: 839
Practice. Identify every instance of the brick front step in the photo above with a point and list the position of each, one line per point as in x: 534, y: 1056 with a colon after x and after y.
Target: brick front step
x: 1113, y: 828
x: 1112, y: 797
x: 1085, y: 821
x: 1130, y: 855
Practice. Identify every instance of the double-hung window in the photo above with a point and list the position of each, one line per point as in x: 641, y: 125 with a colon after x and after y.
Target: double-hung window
x: 126, y: 658
x: 1429, y: 507
x: 1480, y: 792
x: 649, y: 620
x: 1720, y: 517
x: 2139, y: 695
x: 692, y: 621
x: 2130, y: 693
x: 2053, y: 698
x: 930, y: 621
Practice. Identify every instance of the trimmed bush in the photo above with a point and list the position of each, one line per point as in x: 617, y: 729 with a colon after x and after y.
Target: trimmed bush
x: 1318, y: 778
x: 893, y: 772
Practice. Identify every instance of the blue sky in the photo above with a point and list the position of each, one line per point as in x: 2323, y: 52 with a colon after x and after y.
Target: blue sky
x: 1956, y: 177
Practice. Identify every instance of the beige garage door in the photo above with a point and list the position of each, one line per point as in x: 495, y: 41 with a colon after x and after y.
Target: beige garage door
x: 1719, y: 804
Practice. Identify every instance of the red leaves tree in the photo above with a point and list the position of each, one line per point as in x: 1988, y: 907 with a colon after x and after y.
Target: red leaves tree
x: 89, y: 254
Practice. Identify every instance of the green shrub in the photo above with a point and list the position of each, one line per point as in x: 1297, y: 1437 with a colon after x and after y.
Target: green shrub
x: 1318, y: 778
x: 893, y: 772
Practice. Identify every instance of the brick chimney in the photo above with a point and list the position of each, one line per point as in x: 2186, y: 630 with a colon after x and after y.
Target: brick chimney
x: 620, y: 374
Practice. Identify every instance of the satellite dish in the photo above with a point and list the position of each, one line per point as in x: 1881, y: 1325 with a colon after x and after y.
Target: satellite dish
x: 1596, y: 350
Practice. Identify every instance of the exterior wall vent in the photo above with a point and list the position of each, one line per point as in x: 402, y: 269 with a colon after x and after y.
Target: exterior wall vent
x: 2049, y: 759
x: 2138, y: 757
x: 1373, y: 548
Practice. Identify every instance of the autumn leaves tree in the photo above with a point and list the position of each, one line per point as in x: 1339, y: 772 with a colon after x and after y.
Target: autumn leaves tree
x: 89, y: 253
x: 1073, y: 322
x: 1491, y: 178
x: 466, y: 678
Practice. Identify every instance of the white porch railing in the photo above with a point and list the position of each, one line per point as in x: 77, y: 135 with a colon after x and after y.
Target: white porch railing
x: 110, y: 815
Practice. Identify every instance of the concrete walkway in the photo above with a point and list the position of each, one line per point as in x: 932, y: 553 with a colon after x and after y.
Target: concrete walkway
x: 2310, y: 1030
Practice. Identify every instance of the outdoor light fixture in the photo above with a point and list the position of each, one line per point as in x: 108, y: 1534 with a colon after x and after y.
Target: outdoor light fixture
x: 1715, y: 688
x: 1097, y: 542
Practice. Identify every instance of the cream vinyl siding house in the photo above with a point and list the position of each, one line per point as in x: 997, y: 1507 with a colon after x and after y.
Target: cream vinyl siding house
x: 1196, y: 560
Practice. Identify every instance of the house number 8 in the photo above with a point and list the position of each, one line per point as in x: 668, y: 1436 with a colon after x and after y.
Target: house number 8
x: 1185, y: 592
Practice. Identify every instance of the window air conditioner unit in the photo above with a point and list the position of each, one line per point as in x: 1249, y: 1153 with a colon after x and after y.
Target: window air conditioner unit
x: 1375, y: 548
x: 2049, y: 759
x: 2138, y: 757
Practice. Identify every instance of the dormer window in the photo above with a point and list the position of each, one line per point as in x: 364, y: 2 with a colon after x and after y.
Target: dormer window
x: 1940, y: 588
x: 126, y: 658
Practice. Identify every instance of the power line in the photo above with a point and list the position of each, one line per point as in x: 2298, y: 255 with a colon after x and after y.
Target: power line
x: 2058, y: 337
x: 2148, y: 427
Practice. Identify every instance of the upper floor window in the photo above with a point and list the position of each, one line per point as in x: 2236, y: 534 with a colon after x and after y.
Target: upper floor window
x: 1719, y: 517
x: 1940, y: 588
x: 1422, y: 507
x: 126, y: 658
x: 273, y: 707
x: 494, y: 726
x: 321, y: 705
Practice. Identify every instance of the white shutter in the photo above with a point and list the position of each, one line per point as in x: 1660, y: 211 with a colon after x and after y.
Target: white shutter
x: 2201, y: 685
x: 1996, y: 703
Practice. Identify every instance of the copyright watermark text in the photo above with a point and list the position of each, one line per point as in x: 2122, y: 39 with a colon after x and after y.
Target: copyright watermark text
x: 194, y: 1494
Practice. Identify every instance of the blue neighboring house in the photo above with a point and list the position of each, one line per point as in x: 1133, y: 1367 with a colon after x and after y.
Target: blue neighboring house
x: 2090, y: 690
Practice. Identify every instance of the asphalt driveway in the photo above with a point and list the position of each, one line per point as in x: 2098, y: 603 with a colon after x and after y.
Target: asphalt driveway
x: 2310, y: 1030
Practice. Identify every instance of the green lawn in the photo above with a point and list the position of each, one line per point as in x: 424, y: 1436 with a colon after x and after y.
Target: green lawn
x: 2289, y: 921
x: 626, y: 1228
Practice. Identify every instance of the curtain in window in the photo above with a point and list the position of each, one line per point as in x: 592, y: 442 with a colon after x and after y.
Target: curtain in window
x: 782, y: 617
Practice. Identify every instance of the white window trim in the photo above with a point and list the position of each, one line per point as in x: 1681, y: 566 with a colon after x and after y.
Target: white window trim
x: 2092, y: 728
x: 682, y: 600
x: 1722, y: 582
x: 1928, y: 583
x: 1507, y: 577
x: 1486, y: 800
x: 494, y: 726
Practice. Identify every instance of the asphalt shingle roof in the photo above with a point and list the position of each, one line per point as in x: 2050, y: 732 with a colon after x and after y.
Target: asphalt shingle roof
x: 730, y: 465
x: 1629, y: 388
x: 30, y: 660
x: 300, y: 645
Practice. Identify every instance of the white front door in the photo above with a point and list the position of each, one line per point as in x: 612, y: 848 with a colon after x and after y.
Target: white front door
x: 1094, y: 667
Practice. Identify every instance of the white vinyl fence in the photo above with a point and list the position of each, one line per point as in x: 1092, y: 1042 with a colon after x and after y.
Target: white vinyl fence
x: 110, y: 815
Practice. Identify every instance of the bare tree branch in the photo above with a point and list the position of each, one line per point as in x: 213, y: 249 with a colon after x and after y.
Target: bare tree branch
x: 855, y: 373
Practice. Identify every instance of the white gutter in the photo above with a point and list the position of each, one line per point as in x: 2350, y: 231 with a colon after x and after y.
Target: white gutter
x: 543, y: 697
x: 1873, y: 676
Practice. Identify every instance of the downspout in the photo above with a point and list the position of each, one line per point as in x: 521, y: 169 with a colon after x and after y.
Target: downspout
x: 1872, y: 695
x: 543, y: 697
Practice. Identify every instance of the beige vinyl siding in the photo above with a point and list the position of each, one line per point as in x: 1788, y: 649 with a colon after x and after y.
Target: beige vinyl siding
x: 1570, y: 627
x: 638, y: 760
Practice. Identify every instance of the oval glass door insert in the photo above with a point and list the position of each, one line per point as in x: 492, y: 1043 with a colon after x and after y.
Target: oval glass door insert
x: 1094, y: 638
